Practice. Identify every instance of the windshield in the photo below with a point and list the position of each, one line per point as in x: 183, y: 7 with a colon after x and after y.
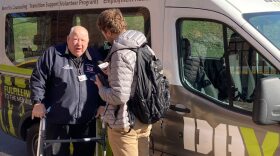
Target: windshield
x: 267, y: 24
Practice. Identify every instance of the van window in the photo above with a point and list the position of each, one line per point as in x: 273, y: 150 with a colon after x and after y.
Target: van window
x: 246, y: 66
x: 201, y: 54
x: 267, y: 23
x: 29, y: 34
x: 217, y: 63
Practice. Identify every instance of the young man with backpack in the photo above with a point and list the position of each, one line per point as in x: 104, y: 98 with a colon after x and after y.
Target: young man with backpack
x: 124, y: 139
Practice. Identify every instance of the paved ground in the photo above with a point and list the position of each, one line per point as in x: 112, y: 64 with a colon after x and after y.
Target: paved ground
x: 10, y: 146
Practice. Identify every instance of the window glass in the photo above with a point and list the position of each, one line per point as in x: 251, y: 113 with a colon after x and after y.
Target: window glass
x: 135, y: 22
x: 205, y: 37
x: 201, y: 52
x: 219, y: 64
x: 246, y: 67
x: 29, y: 34
x: 24, y: 37
x: 267, y: 23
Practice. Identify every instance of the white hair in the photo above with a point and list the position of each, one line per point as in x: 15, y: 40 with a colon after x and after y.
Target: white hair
x: 74, y: 28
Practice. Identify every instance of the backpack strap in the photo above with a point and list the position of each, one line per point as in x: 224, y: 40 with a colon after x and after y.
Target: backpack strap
x: 132, y: 49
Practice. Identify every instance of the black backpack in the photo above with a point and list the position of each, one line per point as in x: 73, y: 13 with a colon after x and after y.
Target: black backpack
x: 152, y: 98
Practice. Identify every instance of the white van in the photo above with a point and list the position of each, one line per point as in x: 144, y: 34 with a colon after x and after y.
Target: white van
x: 222, y: 58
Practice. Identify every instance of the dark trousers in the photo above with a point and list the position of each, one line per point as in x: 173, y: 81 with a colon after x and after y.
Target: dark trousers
x: 57, y: 131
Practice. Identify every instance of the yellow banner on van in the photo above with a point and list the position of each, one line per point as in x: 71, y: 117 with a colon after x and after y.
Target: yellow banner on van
x: 15, y: 70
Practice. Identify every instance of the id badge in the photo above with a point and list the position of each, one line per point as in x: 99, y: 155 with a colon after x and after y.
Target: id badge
x: 82, y: 78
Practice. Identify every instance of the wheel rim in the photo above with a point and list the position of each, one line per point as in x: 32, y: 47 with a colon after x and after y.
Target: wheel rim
x: 34, y: 144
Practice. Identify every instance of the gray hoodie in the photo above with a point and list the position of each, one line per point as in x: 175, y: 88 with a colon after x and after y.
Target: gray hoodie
x: 121, y: 77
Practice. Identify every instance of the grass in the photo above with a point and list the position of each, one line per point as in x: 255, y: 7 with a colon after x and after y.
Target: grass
x: 24, y: 31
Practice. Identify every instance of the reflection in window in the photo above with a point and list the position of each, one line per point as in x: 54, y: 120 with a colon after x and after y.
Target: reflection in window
x: 29, y: 34
x: 24, y: 39
x: 246, y: 67
x: 135, y: 22
x: 267, y: 23
x: 225, y: 72
x: 202, y: 51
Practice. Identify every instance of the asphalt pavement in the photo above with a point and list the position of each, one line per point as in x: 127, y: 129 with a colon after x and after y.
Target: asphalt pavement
x: 10, y: 146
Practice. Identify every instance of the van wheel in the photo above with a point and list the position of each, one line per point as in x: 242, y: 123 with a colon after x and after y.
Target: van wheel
x: 32, y: 140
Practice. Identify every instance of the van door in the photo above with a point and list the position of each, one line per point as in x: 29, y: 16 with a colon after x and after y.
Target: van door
x: 213, y: 71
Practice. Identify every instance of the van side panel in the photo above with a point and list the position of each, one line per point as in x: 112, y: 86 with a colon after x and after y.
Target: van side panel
x: 214, y: 127
x: 20, y: 50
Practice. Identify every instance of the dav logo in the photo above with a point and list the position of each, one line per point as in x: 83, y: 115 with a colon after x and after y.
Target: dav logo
x: 225, y: 139
x: 89, y: 68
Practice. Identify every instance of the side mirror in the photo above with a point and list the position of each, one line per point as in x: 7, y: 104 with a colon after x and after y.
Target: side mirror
x: 266, y: 106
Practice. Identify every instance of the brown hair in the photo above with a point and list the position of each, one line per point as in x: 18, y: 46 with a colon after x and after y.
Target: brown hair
x: 111, y: 20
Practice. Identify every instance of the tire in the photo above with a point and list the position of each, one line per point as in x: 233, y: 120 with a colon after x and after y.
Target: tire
x: 32, y: 140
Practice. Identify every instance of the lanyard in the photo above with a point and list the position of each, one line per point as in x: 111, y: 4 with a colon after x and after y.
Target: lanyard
x: 78, y: 63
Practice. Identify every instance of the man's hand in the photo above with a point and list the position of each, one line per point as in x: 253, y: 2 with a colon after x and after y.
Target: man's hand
x: 100, y: 111
x: 39, y: 111
x: 98, y: 82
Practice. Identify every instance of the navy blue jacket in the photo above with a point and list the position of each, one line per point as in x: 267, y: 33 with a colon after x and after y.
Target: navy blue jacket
x: 54, y: 82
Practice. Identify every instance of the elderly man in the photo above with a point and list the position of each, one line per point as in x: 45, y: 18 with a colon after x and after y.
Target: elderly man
x: 61, y: 81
